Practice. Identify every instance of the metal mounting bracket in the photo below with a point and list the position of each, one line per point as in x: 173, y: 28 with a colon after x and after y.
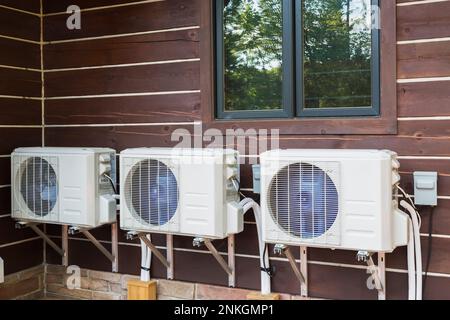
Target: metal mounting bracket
x: 302, y: 272
x: 167, y: 262
x: 229, y: 267
x: 113, y: 255
x: 377, y: 273
x: 40, y: 233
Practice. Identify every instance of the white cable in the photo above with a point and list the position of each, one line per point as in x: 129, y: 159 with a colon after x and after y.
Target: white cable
x: 411, y: 201
x: 146, y: 259
x: 411, y: 263
x: 143, y: 259
x: 248, y: 204
x: 417, y: 246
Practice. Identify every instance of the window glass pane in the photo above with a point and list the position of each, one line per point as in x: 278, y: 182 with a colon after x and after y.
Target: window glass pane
x: 337, y: 53
x: 253, y: 52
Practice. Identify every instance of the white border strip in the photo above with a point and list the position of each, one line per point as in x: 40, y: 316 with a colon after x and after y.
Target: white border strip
x: 433, y: 118
x: 20, y: 39
x: 416, y: 80
x: 25, y: 126
x: 5, y: 216
x: 19, y: 97
x: 121, y: 35
x: 19, y: 68
x: 19, y: 242
x: 418, y: 41
x: 147, y: 124
x: 124, y: 65
x: 422, y: 158
x: 414, y: 3
x: 138, y: 94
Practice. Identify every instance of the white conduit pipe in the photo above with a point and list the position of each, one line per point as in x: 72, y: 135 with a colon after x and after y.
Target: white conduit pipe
x: 248, y: 204
x: 417, y: 246
x: 411, y: 263
x: 146, y: 260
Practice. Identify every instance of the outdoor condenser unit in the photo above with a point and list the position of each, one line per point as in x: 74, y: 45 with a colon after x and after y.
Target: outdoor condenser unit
x: 72, y: 186
x: 343, y: 199
x: 190, y: 192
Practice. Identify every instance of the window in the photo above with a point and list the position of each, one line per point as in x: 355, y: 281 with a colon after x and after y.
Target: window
x: 297, y: 59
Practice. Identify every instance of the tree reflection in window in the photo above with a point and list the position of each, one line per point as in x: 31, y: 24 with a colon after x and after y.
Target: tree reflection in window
x: 337, y: 53
x: 253, y: 54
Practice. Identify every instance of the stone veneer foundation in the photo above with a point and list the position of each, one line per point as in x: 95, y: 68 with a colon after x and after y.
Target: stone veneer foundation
x: 49, y: 282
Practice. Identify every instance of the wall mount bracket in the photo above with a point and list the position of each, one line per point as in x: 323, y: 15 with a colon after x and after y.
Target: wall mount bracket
x: 228, y: 267
x: 70, y: 230
x: 377, y: 272
x: 35, y: 227
x: 302, y: 272
x: 112, y: 256
x: 166, y: 261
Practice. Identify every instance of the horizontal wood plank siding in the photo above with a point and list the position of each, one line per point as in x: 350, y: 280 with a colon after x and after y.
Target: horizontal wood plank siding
x: 424, y: 99
x: 130, y: 19
x: 20, y: 54
x: 19, y: 25
x: 171, y: 77
x: 33, y: 6
x: 164, y: 46
x: 20, y: 83
x: 423, y: 21
x: 60, y: 6
x: 122, y: 110
x: 20, y: 119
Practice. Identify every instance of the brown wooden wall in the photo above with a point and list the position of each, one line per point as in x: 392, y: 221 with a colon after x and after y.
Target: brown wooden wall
x: 132, y: 75
x: 20, y: 118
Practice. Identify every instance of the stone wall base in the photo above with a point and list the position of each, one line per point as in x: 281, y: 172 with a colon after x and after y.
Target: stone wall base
x: 24, y: 285
x: 96, y: 285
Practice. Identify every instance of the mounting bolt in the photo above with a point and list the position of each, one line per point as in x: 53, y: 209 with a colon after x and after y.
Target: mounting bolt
x: 363, y: 256
x: 73, y: 231
x: 131, y: 235
x: 198, y: 242
x: 279, y: 249
x: 20, y: 225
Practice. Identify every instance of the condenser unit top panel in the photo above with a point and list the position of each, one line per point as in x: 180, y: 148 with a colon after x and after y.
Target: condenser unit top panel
x: 61, y: 151
x: 318, y: 154
x: 177, y: 152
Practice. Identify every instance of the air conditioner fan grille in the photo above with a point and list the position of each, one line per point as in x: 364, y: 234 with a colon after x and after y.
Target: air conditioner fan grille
x: 151, y: 191
x: 303, y: 200
x: 38, y: 186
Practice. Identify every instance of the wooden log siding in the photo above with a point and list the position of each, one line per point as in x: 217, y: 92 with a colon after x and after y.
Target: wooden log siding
x: 20, y: 119
x: 137, y: 71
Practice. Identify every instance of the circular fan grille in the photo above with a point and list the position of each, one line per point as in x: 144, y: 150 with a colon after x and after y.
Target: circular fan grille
x: 38, y: 186
x: 152, y: 192
x: 303, y: 200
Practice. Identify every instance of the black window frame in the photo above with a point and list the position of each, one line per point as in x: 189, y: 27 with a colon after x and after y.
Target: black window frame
x: 292, y: 70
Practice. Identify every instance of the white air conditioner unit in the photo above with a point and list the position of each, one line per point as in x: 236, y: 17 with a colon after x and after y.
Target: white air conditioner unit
x: 188, y: 192
x: 342, y: 199
x: 69, y: 186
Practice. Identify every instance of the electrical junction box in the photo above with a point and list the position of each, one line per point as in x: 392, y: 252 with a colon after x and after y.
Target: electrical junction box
x: 256, y: 178
x: 2, y: 271
x: 425, y: 188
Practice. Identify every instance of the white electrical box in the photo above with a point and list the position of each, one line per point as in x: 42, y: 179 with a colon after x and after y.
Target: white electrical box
x: 425, y: 188
x: 339, y: 199
x: 64, y: 186
x: 191, y: 192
